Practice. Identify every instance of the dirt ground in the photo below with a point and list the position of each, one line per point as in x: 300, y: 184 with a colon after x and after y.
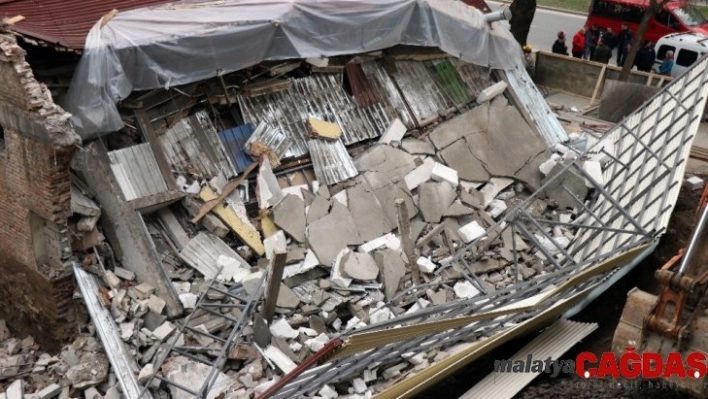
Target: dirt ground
x: 605, y: 311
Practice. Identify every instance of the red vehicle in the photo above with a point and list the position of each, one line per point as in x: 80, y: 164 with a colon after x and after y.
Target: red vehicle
x: 675, y: 16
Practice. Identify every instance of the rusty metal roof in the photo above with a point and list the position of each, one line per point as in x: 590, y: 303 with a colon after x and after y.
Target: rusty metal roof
x: 64, y: 23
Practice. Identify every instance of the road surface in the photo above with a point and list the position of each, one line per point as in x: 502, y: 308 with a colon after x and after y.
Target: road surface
x: 546, y: 24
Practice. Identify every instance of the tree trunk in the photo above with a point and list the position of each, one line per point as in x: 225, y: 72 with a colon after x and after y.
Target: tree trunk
x: 652, y: 9
x: 522, y: 12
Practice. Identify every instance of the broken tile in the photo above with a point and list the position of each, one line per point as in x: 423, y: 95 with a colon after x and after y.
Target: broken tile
x: 434, y: 200
x: 289, y: 215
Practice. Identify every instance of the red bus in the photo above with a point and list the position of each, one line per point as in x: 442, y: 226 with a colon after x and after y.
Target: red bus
x: 675, y: 16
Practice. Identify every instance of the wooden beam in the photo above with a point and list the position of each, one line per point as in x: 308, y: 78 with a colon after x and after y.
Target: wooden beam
x: 106, y: 18
x: 404, y: 229
x: 598, y: 84
x: 228, y: 189
x: 275, y: 275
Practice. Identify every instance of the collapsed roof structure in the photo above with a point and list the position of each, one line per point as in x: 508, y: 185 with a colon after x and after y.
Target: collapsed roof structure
x: 412, y: 208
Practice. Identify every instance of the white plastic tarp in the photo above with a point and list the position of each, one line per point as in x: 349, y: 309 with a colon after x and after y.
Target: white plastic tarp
x: 189, y: 41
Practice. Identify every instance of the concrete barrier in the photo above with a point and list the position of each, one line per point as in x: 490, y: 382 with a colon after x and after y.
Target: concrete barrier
x: 583, y: 77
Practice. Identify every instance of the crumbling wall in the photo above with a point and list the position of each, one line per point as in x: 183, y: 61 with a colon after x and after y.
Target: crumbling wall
x: 36, y: 146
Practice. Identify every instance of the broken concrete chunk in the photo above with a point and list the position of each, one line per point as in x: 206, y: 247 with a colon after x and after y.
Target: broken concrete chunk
x: 426, y: 265
x: 465, y: 289
x: 49, y: 392
x: 360, y: 266
x: 280, y: 359
x: 493, y: 187
x: 395, y: 132
x: 164, y: 331
x: 434, y: 200
x: 547, y: 166
x: 458, y: 156
x: 338, y: 278
x: 471, y: 232
x: 442, y: 173
x: 457, y: 209
x: 282, y: 329
x: 594, y: 169
x: 145, y: 373
x: 390, y: 241
x: 156, y: 304
x: 418, y: 147
x: 316, y: 344
x: 323, y: 129
x: 275, y: 243
x: 124, y: 273
x: 420, y: 175
x: 392, y: 270
x: 252, y: 281
x: 289, y: 215
x: 87, y: 223
x: 693, y: 183
x: 287, y: 298
x: 144, y: 290
x: 83, y: 205
x: 497, y: 208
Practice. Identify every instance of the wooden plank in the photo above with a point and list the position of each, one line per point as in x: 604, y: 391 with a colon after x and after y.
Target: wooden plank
x: 275, y: 275
x: 228, y: 189
x: 598, y: 84
x: 245, y: 232
x: 404, y: 229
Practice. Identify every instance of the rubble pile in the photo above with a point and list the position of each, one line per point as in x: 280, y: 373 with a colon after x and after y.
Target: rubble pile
x: 81, y: 368
x: 358, y: 229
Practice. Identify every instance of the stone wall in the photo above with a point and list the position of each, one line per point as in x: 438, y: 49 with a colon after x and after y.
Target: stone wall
x: 36, y: 146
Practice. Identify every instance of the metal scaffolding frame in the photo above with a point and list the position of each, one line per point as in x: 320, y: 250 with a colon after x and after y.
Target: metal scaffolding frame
x: 631, y: 209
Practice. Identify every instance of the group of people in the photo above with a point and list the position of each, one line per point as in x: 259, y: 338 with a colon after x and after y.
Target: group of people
x: 595, y: 45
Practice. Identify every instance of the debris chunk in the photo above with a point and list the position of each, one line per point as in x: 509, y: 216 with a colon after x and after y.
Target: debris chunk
x: 435, y: 199
x: 360, y: 266
x: 281, y: 360
x: 394, y: 132
x: 492, y: 91
x: 49, y: 392
x: 441, y: 173
x: 289, y: 215
x: 392, y: 270
x: 465, y: 289
x: 323, y: 129
x: 282, y: 329
x: 471, y: 232
x: 693, y: 183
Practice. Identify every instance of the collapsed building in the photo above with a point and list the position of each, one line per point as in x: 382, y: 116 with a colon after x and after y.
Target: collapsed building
x: 304, y: 208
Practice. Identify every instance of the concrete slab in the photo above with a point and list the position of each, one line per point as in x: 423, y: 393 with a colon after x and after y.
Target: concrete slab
x: 420, y: 175
x: 289, y: 215
x: 458, y: 156
x: 387, y: 196
x: 269, y: 192
x: 574, y: 182
x: 328, y: 235
x: 435, y: 199
x: 418, y: 147
x: 369, y: 217
x: 510, y: 148
x: 318, y: 208
x: 458, y: 209
x: 392, y: 270
x: 394, y: 132
x: 385, y: 164
x: 472, y: 121
x: 287, y: 298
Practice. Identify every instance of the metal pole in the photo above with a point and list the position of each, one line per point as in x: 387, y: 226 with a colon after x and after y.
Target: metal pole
x: 694, y: 241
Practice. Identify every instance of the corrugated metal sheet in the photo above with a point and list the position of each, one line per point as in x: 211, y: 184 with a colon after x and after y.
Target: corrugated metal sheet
x: 271, y: 137
x: 364, y: 94
x: 321, y: 96
x: 64, y: 22
x: 331, y: 161
x: 123, y: 363
x: 535, y: 105
x: 423, y: 96
x: 449, y: 81
x: 477, y: 78
x: 234, y: 142
x: 553, y: 342
x: 382, y: 84
x: 192, y: 147
x: 137, y: 172
x: 202, y: 253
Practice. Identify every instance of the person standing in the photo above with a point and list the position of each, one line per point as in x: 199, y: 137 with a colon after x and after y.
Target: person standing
x: 668, y: 64
x: 559, y: 46
x: 602, y: 52
x: 610, y: 38
x: 645, y: 57
x: 579, y: 43
x: 624, y: 39
x: 591, y: 36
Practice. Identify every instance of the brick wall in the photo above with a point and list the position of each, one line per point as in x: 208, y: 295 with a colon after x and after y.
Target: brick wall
x: 36, y: 285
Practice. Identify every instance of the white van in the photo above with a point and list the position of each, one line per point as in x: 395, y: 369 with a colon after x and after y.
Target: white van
x: 688, y: 47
